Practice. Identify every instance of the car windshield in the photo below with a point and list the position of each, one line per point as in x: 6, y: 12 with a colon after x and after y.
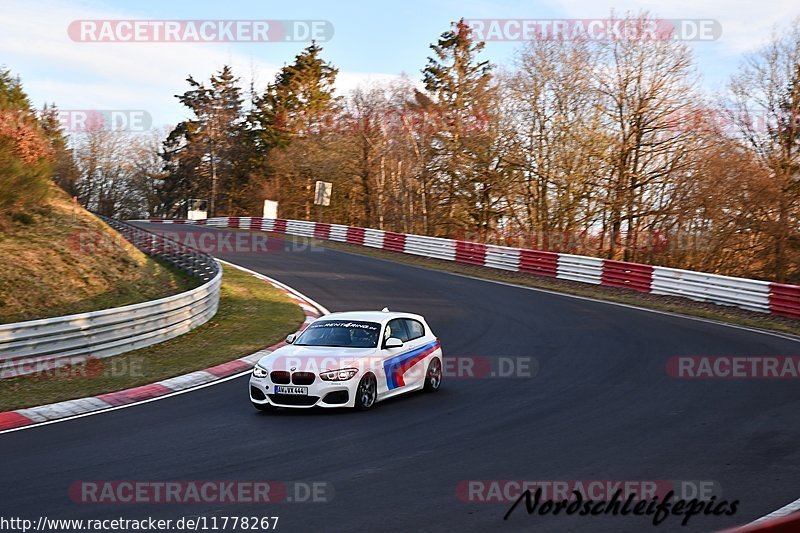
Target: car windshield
x: 344, y: 334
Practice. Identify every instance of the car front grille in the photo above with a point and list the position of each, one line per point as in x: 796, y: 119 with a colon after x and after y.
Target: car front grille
x: 281, y: 377
x: 303, y: 378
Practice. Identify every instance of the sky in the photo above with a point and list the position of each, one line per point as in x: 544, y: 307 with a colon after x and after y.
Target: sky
x: 372, y: 40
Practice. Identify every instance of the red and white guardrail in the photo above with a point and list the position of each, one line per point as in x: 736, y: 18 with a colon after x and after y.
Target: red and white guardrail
x: 754, y: 295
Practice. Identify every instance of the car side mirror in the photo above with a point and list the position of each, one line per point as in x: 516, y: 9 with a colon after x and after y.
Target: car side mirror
x: 393, y: 342
x: 291, y: 338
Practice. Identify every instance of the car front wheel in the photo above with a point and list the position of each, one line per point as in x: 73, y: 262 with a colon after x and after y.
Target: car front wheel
x: 367, y: 392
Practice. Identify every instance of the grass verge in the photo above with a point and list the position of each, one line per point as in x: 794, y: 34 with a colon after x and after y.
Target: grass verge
x: 252, y: 315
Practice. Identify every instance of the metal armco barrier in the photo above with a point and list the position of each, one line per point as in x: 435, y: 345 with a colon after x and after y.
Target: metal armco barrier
x: 196, y: 264
x: 754, y: 295
x: 783, y: 300
x: 627, y: 275
x: 538, y: 262
x: 39, y: 346
x: 745, y: 293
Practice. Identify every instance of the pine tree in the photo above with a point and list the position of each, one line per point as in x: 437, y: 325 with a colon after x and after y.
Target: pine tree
x: 204, y: 155
x: 25, y: 150
x: 65, y: 172
x: 290, y: 117
x: 461, y: 87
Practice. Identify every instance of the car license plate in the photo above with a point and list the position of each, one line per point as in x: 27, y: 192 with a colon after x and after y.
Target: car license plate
x: 301, y: 391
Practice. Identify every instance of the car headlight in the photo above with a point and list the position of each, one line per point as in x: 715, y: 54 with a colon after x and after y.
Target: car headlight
x: 339, y: 375
x: 260, y: 371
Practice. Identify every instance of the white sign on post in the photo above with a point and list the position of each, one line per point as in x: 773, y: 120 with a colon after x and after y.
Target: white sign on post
x: 197, y: 209
x: 270, y: 209
x: 322, y: 194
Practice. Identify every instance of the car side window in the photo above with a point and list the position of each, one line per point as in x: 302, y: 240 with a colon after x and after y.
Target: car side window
x: 396, y: 328
x: 415, y: 328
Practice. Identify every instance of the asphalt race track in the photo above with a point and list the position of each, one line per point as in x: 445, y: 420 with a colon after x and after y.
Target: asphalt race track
x: 600, y: 407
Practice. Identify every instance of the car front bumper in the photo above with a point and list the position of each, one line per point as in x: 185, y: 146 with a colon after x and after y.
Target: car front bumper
x: 320, y: 393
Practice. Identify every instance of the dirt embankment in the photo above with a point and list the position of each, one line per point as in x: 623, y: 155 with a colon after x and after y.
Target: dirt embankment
x: 59, y: 259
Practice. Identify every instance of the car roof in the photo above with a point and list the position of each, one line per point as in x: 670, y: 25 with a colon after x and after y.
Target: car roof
x: 370, y: 316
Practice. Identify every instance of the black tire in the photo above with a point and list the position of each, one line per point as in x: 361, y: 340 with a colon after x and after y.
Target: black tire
x: 264, y: 407
x: 433, y: 378
x: 367, y: 392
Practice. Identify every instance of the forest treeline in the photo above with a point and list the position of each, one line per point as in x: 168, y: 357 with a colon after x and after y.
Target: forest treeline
x: 606, y: 148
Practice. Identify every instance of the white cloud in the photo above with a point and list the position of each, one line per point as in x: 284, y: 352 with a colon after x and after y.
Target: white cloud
x: 746, y: 25
x: 122, y: 75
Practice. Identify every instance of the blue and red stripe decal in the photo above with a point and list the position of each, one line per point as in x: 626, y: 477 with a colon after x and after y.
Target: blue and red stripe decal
x: 399, y: 365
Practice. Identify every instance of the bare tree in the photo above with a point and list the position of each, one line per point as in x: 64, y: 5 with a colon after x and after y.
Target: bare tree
x: 643, y: 85
x: 767, y: 92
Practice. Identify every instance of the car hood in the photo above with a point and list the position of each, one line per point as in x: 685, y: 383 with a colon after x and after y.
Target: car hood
x: 315, y: 358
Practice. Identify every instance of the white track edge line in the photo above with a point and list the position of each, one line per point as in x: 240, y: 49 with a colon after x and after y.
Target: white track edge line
x: 786, y: 510
x: 134, y: 404
x: 785, y: 336
x: 276, y: 282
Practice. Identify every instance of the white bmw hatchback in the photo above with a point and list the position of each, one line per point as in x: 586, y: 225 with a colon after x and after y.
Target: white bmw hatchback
x: 350, y: 359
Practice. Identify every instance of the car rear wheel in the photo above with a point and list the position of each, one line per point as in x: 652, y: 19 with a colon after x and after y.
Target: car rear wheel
x: 367, y: 392
x: 433, y: 379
